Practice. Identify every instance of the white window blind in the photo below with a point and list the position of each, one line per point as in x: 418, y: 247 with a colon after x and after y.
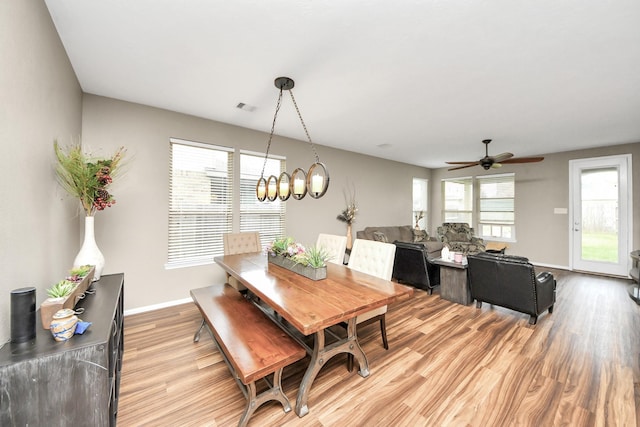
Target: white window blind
x: 496, y: 206
x: 266, y: 217
x: 200, y: 201
x: 457, y: 195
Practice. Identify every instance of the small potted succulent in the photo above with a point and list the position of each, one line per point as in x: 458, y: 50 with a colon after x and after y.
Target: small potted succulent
x: 61, y: 289
x: 66, y: 293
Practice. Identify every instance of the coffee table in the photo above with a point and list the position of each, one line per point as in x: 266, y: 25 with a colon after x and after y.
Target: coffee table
x: 454, y: 285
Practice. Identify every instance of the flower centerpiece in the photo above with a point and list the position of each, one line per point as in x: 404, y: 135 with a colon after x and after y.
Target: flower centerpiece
x: 88, y: 179
x: 309, y: 262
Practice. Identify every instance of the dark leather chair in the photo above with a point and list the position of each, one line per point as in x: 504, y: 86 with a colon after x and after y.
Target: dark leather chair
x: 510, y: 281
x: 412, y: 267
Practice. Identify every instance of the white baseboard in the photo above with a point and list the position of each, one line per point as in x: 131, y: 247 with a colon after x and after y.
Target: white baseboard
x: 157, y: 306
x: 564, y: 267
x: 557, y: 267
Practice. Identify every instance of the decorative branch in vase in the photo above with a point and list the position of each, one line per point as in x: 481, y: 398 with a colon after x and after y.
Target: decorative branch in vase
x: 88, y: 179
x: 418, y: 216
x: 348, y: 215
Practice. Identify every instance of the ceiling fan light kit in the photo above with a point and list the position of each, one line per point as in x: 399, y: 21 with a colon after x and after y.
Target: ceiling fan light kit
x: 489, y: 162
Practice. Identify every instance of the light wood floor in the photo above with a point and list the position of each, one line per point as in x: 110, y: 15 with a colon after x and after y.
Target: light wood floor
x: 448, y: 365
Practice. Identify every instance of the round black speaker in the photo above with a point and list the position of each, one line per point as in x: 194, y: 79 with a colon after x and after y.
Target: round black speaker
x: 23, y: 314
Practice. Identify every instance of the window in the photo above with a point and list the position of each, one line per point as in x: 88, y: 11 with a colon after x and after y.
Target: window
x: 496, y: 207
x: 266, y: 217
x: 420, y: 197
x: 200, y: 201
x: 457, y: 196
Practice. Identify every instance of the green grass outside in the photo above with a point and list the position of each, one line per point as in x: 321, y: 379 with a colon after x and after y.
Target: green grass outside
x: 600, y: 247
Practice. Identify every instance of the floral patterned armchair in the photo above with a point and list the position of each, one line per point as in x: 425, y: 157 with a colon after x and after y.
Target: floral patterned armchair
x: 458, y: 236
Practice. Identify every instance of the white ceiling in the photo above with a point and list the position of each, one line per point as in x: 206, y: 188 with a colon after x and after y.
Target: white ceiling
x: 417, y: 81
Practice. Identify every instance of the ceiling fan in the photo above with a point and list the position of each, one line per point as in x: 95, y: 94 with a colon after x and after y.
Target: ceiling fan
x: 489, y: 162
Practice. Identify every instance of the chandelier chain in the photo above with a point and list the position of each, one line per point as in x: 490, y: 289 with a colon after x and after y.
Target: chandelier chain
x: 273, y: 126
x: 304, y: 126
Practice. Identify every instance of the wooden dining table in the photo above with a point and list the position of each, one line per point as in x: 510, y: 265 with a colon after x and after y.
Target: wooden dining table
x: 312, y: 307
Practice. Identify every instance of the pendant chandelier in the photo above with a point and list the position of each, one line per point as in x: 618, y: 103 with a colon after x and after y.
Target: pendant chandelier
x: 315, y: 181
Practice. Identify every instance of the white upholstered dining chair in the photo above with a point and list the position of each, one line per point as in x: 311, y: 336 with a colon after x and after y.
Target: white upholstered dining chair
x: 374, y: 258
x: 334, y: 245
x: 240, y: 243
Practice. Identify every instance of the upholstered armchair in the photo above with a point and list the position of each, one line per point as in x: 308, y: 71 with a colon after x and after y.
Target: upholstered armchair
x: 412, y: 267
x: 376, y: 259
x: 334, y: 245
x: 459, y: 237
x: 240, y: 243
x: 511, y: 281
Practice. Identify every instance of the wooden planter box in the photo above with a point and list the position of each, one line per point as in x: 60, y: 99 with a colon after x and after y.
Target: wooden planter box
x: 303, y: 270
x: 51, y: 305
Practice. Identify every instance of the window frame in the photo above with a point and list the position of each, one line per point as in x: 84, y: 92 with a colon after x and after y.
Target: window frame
x: 467, y: 200
x: 247, y: 197
x: 476, y: 202
x: 501, y: 230
x: 420, y: 201
x: 203, y: 244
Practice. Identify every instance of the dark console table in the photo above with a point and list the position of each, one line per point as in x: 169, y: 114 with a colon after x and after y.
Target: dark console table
x: 74, y: 383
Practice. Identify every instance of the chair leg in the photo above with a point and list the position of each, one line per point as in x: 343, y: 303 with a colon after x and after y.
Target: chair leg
x: 478, y: 304
x: 383, y: 331
x: 551, y: 309
x: 533, y: 320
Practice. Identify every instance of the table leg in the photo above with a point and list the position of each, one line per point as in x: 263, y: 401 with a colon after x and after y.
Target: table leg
x: 322, y: 354
x: 356, y: 350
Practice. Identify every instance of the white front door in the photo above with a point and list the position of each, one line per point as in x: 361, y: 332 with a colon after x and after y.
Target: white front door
x: 601, y: 214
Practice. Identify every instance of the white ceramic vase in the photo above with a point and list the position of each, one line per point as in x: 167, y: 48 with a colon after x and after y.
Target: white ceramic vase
x: 89, y: 252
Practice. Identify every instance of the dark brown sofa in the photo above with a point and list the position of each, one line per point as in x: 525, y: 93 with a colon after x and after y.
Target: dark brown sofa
x: 402, y: 233
x: 413, y: 250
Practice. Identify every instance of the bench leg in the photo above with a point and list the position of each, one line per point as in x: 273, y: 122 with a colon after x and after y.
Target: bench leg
x: 274, y: 392
x: 196, y: 336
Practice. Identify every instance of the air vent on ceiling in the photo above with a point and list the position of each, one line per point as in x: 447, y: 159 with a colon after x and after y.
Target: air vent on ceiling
x: 246, y: 107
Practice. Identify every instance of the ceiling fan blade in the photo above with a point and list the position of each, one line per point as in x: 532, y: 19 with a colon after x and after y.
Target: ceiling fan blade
x: 502, y: 157
x: 524, y: 160
x: 465, y: 166
x: 462, y: 163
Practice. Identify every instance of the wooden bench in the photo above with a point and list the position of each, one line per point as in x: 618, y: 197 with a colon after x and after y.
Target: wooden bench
x: 252, y: 344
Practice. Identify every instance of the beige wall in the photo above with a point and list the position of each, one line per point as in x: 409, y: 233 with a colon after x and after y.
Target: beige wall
x: 41, y: 100
x: 41, y: 226
x: 541, y: 235
x: 133, y: 234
